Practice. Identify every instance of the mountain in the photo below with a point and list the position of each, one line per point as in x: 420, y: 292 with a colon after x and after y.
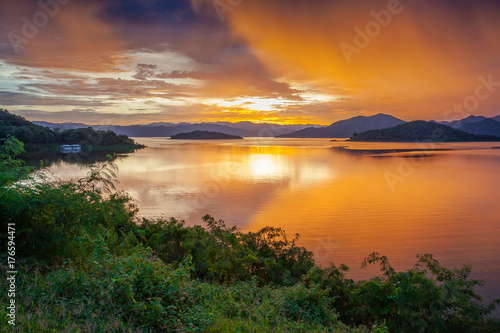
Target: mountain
x: 476, y: 125
x: 346, y: 128
x: 204, y: 135
x: 161, y: 129
x: 60, y: 126
x: 487, y: 126
x: 164, y: 124
x: 497, y: 118
x: 267, y: 130
x: 458, y: 123
x: 421, y: 131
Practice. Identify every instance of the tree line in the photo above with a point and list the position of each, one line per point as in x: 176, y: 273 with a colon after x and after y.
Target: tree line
x: 29, y: 133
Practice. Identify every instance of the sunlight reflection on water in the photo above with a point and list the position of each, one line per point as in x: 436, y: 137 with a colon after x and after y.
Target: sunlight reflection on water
x: 341, y: 204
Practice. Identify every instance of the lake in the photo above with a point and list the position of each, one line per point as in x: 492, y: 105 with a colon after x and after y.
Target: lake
x: 344, y: 205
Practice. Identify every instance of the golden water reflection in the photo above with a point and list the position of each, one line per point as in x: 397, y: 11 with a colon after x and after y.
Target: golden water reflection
x: 344, y: 206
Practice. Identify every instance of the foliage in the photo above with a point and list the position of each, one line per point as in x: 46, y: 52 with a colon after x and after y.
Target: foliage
x: 133, y: 291
x: 88, y: 136
x: 426, y: 298
x: 24, y: 130
x: 51, y: 216
x: 246, y: 307
x: 225, y: 254
x: 30, y: 133
x: 137, y: 288
x: 11, y: 169
x: 87, y: 266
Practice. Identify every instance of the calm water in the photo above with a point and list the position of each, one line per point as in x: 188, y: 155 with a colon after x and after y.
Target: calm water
x: 344, y: 206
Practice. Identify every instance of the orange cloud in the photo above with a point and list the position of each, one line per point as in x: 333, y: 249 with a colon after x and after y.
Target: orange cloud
x: 422, y: 52
x: 73, y: 37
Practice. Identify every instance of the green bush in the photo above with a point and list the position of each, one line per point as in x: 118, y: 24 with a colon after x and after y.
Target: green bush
x: 11, y: 169
x: 426, y: 298
x: 52, y: 218
x: 134, y: 291
x: 248, y: 307
x: 137, y: 288
x: 222, y: 254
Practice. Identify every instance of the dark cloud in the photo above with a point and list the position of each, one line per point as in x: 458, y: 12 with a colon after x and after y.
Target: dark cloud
x: 115, y: 89
x: 198, y: 75
x: 145, y: 71
x: 8, y: 98
x: 148, y: 12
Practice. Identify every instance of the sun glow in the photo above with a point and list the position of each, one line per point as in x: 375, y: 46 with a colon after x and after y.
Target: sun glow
x: 255, y: 103
x: 266, y: 166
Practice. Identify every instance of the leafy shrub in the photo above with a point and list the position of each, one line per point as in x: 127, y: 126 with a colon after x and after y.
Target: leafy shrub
x: 54, y: 218
x: 248, y: 307
x: 225, y: 254
x: 137, y: 288
x: 11, y: 169
x: 426, y: 298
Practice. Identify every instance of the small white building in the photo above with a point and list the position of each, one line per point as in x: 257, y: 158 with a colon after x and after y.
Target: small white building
x: 67, y: 149
x: 76, y: 148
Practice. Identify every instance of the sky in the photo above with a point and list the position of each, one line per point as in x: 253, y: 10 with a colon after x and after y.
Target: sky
x: 281, y: 61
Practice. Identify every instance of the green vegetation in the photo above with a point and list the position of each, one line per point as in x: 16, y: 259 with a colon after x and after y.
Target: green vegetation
x: 420, y: 131
x: 85, y: 264
x: 205, y: 135
x: 38, y: 138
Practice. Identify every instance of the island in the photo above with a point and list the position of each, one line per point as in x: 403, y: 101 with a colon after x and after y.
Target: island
x: 420, y: 131
x: 205, y: 135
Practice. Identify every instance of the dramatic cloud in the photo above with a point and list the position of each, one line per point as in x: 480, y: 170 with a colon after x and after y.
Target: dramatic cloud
x: 281, y: 60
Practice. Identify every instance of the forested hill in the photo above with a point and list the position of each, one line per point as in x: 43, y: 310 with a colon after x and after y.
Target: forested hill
x: 420, y: 131
x: 30, y: 133
x: 205, y: 135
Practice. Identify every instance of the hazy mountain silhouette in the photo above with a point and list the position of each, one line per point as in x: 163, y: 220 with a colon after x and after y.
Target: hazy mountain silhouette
x: 468, y: 120
x: 486, y: 127
x: 160, y: 129
x: 476, y: 125
x: 346, y: 128
x: 340, y: 129
x: 60, y: 125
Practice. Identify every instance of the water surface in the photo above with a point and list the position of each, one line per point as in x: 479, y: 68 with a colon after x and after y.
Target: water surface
x: 345, y: 206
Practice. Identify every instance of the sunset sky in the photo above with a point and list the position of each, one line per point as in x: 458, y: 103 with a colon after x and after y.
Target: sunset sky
x: 282, y: 61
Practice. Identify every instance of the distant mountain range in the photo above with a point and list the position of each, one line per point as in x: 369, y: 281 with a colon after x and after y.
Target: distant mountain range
x: 421, y: 131
x: 478, y: 125
x: 346, y: 128
x: 245, y: 129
